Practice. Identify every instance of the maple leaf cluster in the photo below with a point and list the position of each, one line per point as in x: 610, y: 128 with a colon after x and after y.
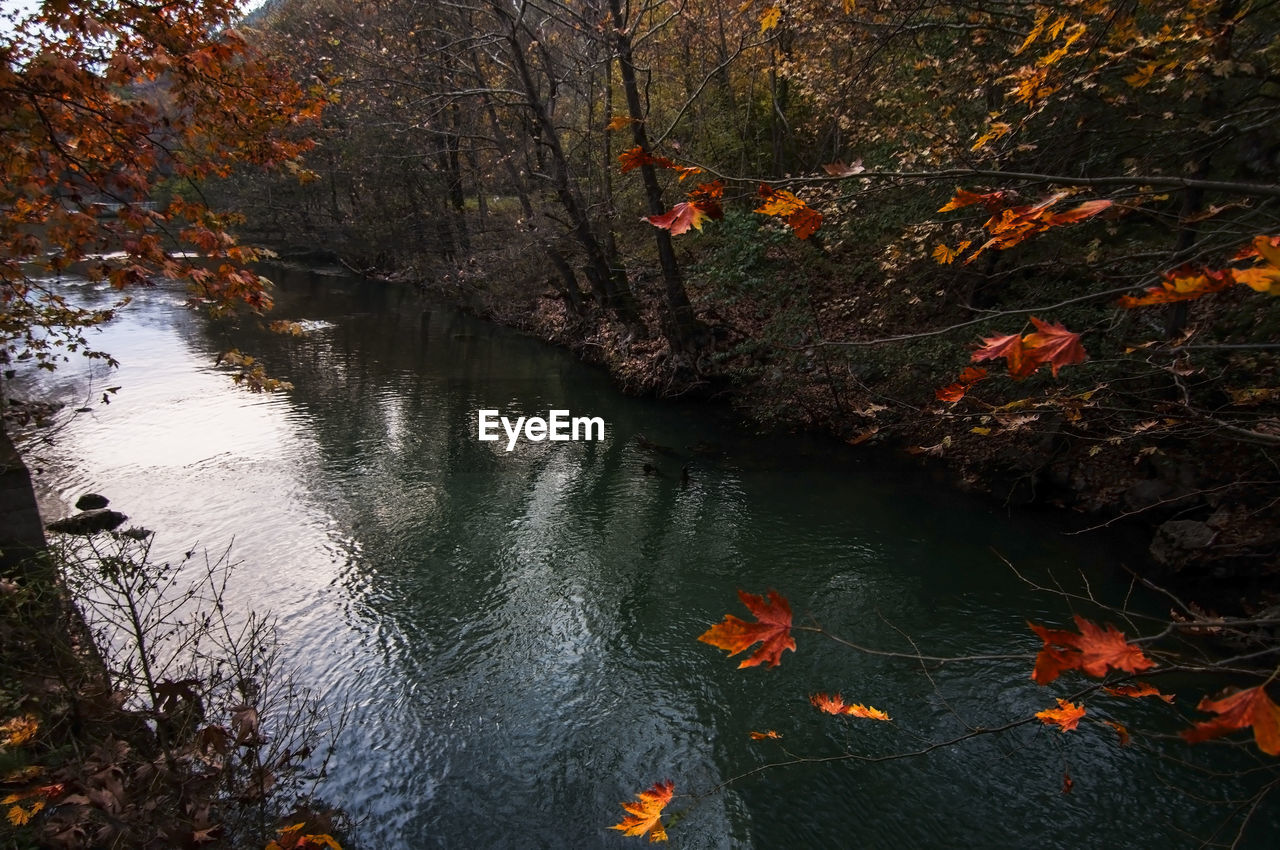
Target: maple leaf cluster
x: 1051, y: 344
x: 1010, y: 226
x: 803, y: 220
x: 1093, y: 651
x: 703, y: 204
x: 1187, y: 283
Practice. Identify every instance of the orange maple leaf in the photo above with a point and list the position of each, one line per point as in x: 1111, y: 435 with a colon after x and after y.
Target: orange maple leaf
x: 772, y: 631
x: 1009, y: 347
x: 1050, y: 343
x: 829, y: 704
x: 1250, y: 707
x: 646, y: 815
x: 1066, y: 716
x: 954, y: 392
x: 764, y: 736
x: 1053, y: 344
x: 680, y: 218
x: 1093, y: 652
x: 860, y: 710
x: 803, y: 220
x: 965, y: 198
x: 1139, y: 689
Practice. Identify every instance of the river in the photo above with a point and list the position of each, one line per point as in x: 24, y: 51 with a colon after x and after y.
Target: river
x: 515, y: 633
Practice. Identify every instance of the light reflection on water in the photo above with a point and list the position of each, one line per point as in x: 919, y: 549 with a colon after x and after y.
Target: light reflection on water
x: 516, y: 632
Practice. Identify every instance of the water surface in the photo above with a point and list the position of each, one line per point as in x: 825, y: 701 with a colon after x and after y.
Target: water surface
x: 515, y: 633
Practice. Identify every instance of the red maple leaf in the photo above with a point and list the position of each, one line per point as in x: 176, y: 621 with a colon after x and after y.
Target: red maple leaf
x: 1094, y: 651
x: 1009, y: 347
x: 1053, y: 344
x: 1250, y: 707
x: 772, y: 631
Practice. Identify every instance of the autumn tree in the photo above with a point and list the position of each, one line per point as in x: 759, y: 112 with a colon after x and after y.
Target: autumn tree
x: 113, y: 116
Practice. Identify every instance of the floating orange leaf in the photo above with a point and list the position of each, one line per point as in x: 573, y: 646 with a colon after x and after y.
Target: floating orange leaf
x: 772, y: 631
x: 646, y: 815
x: 1094, y: 651
x: 1139, y: 689
x: 620, y: 122
x: 828, y: 704
x: 1250, y: 707
x: 1051, y: 344
x: 1066, y: 716
x: 859, y: 710
x: 765, y: 736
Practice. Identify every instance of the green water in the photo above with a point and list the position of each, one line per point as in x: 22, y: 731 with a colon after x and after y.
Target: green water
x: 515, y: 633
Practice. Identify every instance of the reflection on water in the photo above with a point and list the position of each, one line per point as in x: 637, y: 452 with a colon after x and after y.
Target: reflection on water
x: 516, y: 632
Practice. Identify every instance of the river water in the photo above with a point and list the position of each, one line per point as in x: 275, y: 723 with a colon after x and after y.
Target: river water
x: 515, y: 633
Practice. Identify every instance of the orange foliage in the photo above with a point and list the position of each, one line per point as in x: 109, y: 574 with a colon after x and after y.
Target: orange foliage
x: 772, y: 632
x: 1250, y: 707
x: 1066, y: 716
x: 1093, y: 651
x: 803, y: 220
x: 646, y: 815
x: 1139, y: 689
x: 1050, y: 344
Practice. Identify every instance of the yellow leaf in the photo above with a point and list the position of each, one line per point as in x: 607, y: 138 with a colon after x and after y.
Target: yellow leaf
x: 944, y: 255
x: 1041, y: 17
x: 19, y: 730
x: 620, y: 122
x: 18, y: 816
x: 1142, y: 76
x: 860, y: 710
x: 995, y: 131
x: 849, y: 6
x: 980, y: 430
x: 770, y: 18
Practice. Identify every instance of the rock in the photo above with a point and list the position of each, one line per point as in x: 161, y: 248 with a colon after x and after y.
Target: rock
x: 91, y: 502
x: 1159, y: 495
x: 1178, y: 540
x: 137, y: 532
x: 88, y: 522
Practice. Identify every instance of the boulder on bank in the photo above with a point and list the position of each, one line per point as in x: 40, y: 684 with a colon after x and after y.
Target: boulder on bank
x: 88, y: 522
x: 1178, y: 541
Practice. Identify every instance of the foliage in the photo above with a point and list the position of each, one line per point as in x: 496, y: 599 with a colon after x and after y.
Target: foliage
x: 1098, y: 652
x: 178, y: 725
x: 104, y: 105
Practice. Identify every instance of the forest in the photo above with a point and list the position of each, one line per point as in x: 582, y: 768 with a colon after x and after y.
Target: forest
x: 1028, y: 250
x: 825, y: 212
